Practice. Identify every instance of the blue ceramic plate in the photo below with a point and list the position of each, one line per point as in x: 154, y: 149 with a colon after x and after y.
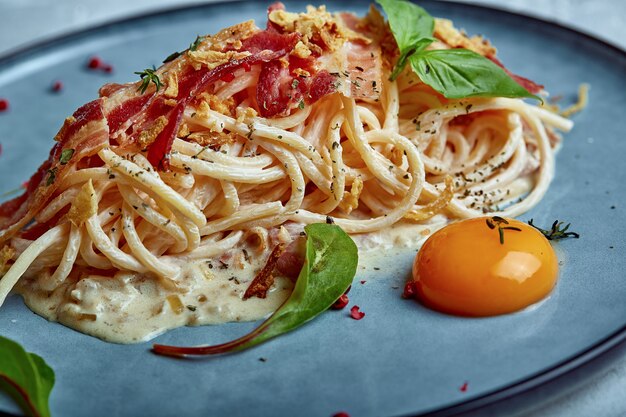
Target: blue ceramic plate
x: 401, y: 358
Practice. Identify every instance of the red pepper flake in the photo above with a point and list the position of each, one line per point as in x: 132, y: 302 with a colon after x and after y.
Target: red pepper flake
x: 57, y: 86
x: 25, y: 185
x: 228, y: 77
x: 341, y: 414
x: 463, y: 387
x: 94, y: 62
x: 356, y: 314
x: 341, y: 302
x: 409, y: 290
x: 4, y: 104
x: 363, y: 281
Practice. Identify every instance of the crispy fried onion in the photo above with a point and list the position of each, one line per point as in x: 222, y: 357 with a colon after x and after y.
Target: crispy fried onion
x: 265, y: 278
x: 257, y: 237
x: 350, y: 200
x: 434, y: 207
x: 6, y: 254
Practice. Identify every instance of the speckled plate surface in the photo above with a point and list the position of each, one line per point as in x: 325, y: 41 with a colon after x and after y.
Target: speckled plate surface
x: 401, y: 358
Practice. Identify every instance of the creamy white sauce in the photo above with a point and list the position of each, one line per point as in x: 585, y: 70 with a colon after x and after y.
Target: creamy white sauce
x: 132, y: 308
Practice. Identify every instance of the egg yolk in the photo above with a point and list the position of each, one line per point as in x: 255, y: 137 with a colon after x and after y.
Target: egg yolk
x: 465, y: 268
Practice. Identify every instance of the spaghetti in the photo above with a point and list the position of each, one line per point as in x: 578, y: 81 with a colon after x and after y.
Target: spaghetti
x: 245, y: 138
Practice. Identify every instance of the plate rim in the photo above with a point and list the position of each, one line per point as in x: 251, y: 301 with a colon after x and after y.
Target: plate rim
x: 576, y: 362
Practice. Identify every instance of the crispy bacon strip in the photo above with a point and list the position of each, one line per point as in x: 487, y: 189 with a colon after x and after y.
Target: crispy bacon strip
x: 292, y: 82
x: 145, y: 110
x: 265, y: 278
x: 86, y: 132
x: 129, y: 113
x: 125, y: 111
x: 188, y: 88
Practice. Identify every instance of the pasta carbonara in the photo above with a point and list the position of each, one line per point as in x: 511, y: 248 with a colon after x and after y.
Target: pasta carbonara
x: 162, y: 199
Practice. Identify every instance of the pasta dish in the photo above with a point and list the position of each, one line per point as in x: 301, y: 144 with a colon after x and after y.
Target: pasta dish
x: 162, y: 199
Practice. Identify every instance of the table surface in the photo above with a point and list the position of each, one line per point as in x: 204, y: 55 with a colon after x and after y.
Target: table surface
x: 599, y: 391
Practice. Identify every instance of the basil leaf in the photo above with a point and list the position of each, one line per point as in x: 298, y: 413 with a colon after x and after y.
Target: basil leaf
x: 402, y: 61
x: 409, y: 23
x: 26, y: 377
x: 460, y: 73
x: 329, y: 267
x: 455, y: 73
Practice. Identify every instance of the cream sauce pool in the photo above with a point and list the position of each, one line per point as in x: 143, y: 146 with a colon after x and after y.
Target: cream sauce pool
x: 133, y: 308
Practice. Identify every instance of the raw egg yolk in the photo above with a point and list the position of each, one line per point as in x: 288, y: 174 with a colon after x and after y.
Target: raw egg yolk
x: 472, y: 268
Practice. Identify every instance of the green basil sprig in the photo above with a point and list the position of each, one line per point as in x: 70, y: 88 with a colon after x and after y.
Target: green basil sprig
x: 455, y: 73
x: 329, y: 267
x: 26, y: 377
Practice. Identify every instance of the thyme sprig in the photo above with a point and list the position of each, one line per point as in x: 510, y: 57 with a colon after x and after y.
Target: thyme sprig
x: 192, y: 47
x: 149, y: 76
x: 497, y: 221
x: 556, y: 232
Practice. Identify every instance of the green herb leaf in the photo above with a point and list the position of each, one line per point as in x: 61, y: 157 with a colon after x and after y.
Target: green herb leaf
x: 557, y: 231
x: 194, y: 45
x: 497, y: 221
x: 412, y: 27
x: 66, y: 155
x: 402, y: 61
x: 409, y: 23
x: 460, y: 73
x: 52, y: 176
x: 26, y: 377
x: 329, y: 267
x: 171, y: 57
x: 149, y: 76
x: 455, y: 73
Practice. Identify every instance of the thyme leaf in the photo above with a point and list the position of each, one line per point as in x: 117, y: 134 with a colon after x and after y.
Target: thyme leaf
x: 52, y: 176
x: 149, y: 76
x: 172, y: 57
x: 500, y: 223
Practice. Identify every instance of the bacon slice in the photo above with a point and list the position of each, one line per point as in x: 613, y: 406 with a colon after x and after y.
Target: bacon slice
x: 188, y: 88
x: 86, y: 132
x: 365, y: 70
x: 137, y: 114
x: 529, y: 85
x: 265, y: 278
x: 125, y: 111
x: 295, y: 71
x: 279, y: 91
